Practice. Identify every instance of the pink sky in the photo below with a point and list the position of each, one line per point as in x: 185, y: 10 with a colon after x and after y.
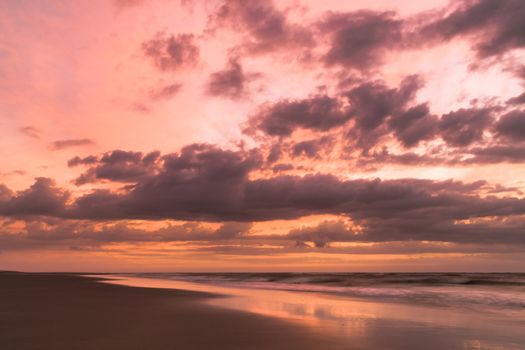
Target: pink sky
x: 289, y: 135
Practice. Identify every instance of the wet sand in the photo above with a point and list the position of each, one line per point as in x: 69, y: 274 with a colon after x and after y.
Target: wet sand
x: 63, y: 311
x: 373, y: 323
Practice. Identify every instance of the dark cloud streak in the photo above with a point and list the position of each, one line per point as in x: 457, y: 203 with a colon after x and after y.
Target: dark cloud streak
x: 171, y: 52
x: 63, y: 144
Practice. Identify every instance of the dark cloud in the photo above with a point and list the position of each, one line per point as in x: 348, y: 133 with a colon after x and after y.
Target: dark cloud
x: 497, y: 154
x: 30, y: 131
x: 14, y: 172
x: 384, y: 211
x: 520, y: 71
x: 275, y: 154
x: 360, y: 39
x: 82, y: 161
x: 171, y: 52
x: 311, y: 148
x: 464, y: 126
x: 468, y: 156
x: 63, y: 144
x: 512, y: 125
x: 265, y: 28
x: 319, y: 113
x: 495, y: 26
x: 373, y: 103
x: 414, y: 125
x: 282, y: 167
x: 166, y: 91
x: 81, y: 235
x: 415, y: 229
x: 117, y: 165
x: 221, y: 191
x: 322, y: 234
x: 376, y: 110
x: 5, y: 193
x: 198, y: 181
x: 141, y: 107
x: 84, y: 234
x: 384, y: 156
x: 518, y: 100
x: 232, y: 230
x: 371, y: 112
x: 42, y: 198
x: 231, y: 82
x: 206, y: 183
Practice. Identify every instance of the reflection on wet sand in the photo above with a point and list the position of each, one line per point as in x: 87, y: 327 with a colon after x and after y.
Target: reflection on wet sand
x: 367, y: 323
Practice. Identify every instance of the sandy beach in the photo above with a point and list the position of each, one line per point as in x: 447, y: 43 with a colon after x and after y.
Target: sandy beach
x: 41, y: 311
x: 63, y: 311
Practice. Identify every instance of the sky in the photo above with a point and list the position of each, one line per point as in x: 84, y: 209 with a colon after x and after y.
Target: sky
x: 293, y: 135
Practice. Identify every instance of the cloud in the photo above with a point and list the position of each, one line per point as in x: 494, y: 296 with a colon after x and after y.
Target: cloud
x: 30, y: 131
x: 371, y: 114
x: 414, y: 125
x: 171, y: 52
x: 319, y: 113
x: 495, y: 26
x: 195, y: 182
x: 63, y: 144
x: 464, y: 126
x: 206, y: 183
x: 82, y: 161
x: 360, y: 39
x: 497, y: 154
x: 230, y: 82
x: 379, y: 110
x: 311, y: 148
x: 197, y: 237
x: 464, y: 156
x: 325, y: 232
x: 282, y: 167
x: 373, y: 102
x: 265, y: 28
x: 512, y: 125
x: 415, y: 229
x: 19, y: 172
x: 118, y: 165
x: 518, y: 100
x: 43, y: 198
x: 166, y: 91
x: 88, y: 235
x: 5, y: 193
x: 275, y: 154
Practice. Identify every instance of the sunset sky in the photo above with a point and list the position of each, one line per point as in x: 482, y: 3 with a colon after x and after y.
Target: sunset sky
x: 232, y: 135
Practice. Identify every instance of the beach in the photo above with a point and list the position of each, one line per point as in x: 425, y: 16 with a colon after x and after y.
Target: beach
x: 63, y: 311
x: 262, y: 311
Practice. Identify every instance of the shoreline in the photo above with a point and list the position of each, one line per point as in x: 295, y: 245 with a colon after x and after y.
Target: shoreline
x: 44, y: 311
x: 68, y: 311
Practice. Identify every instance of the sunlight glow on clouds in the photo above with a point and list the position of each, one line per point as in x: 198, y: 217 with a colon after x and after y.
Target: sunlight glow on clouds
x: 237, y: 135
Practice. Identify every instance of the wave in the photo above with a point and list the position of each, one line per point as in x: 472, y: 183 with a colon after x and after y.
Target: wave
x: 441, y: 289
x: 357, y: 279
